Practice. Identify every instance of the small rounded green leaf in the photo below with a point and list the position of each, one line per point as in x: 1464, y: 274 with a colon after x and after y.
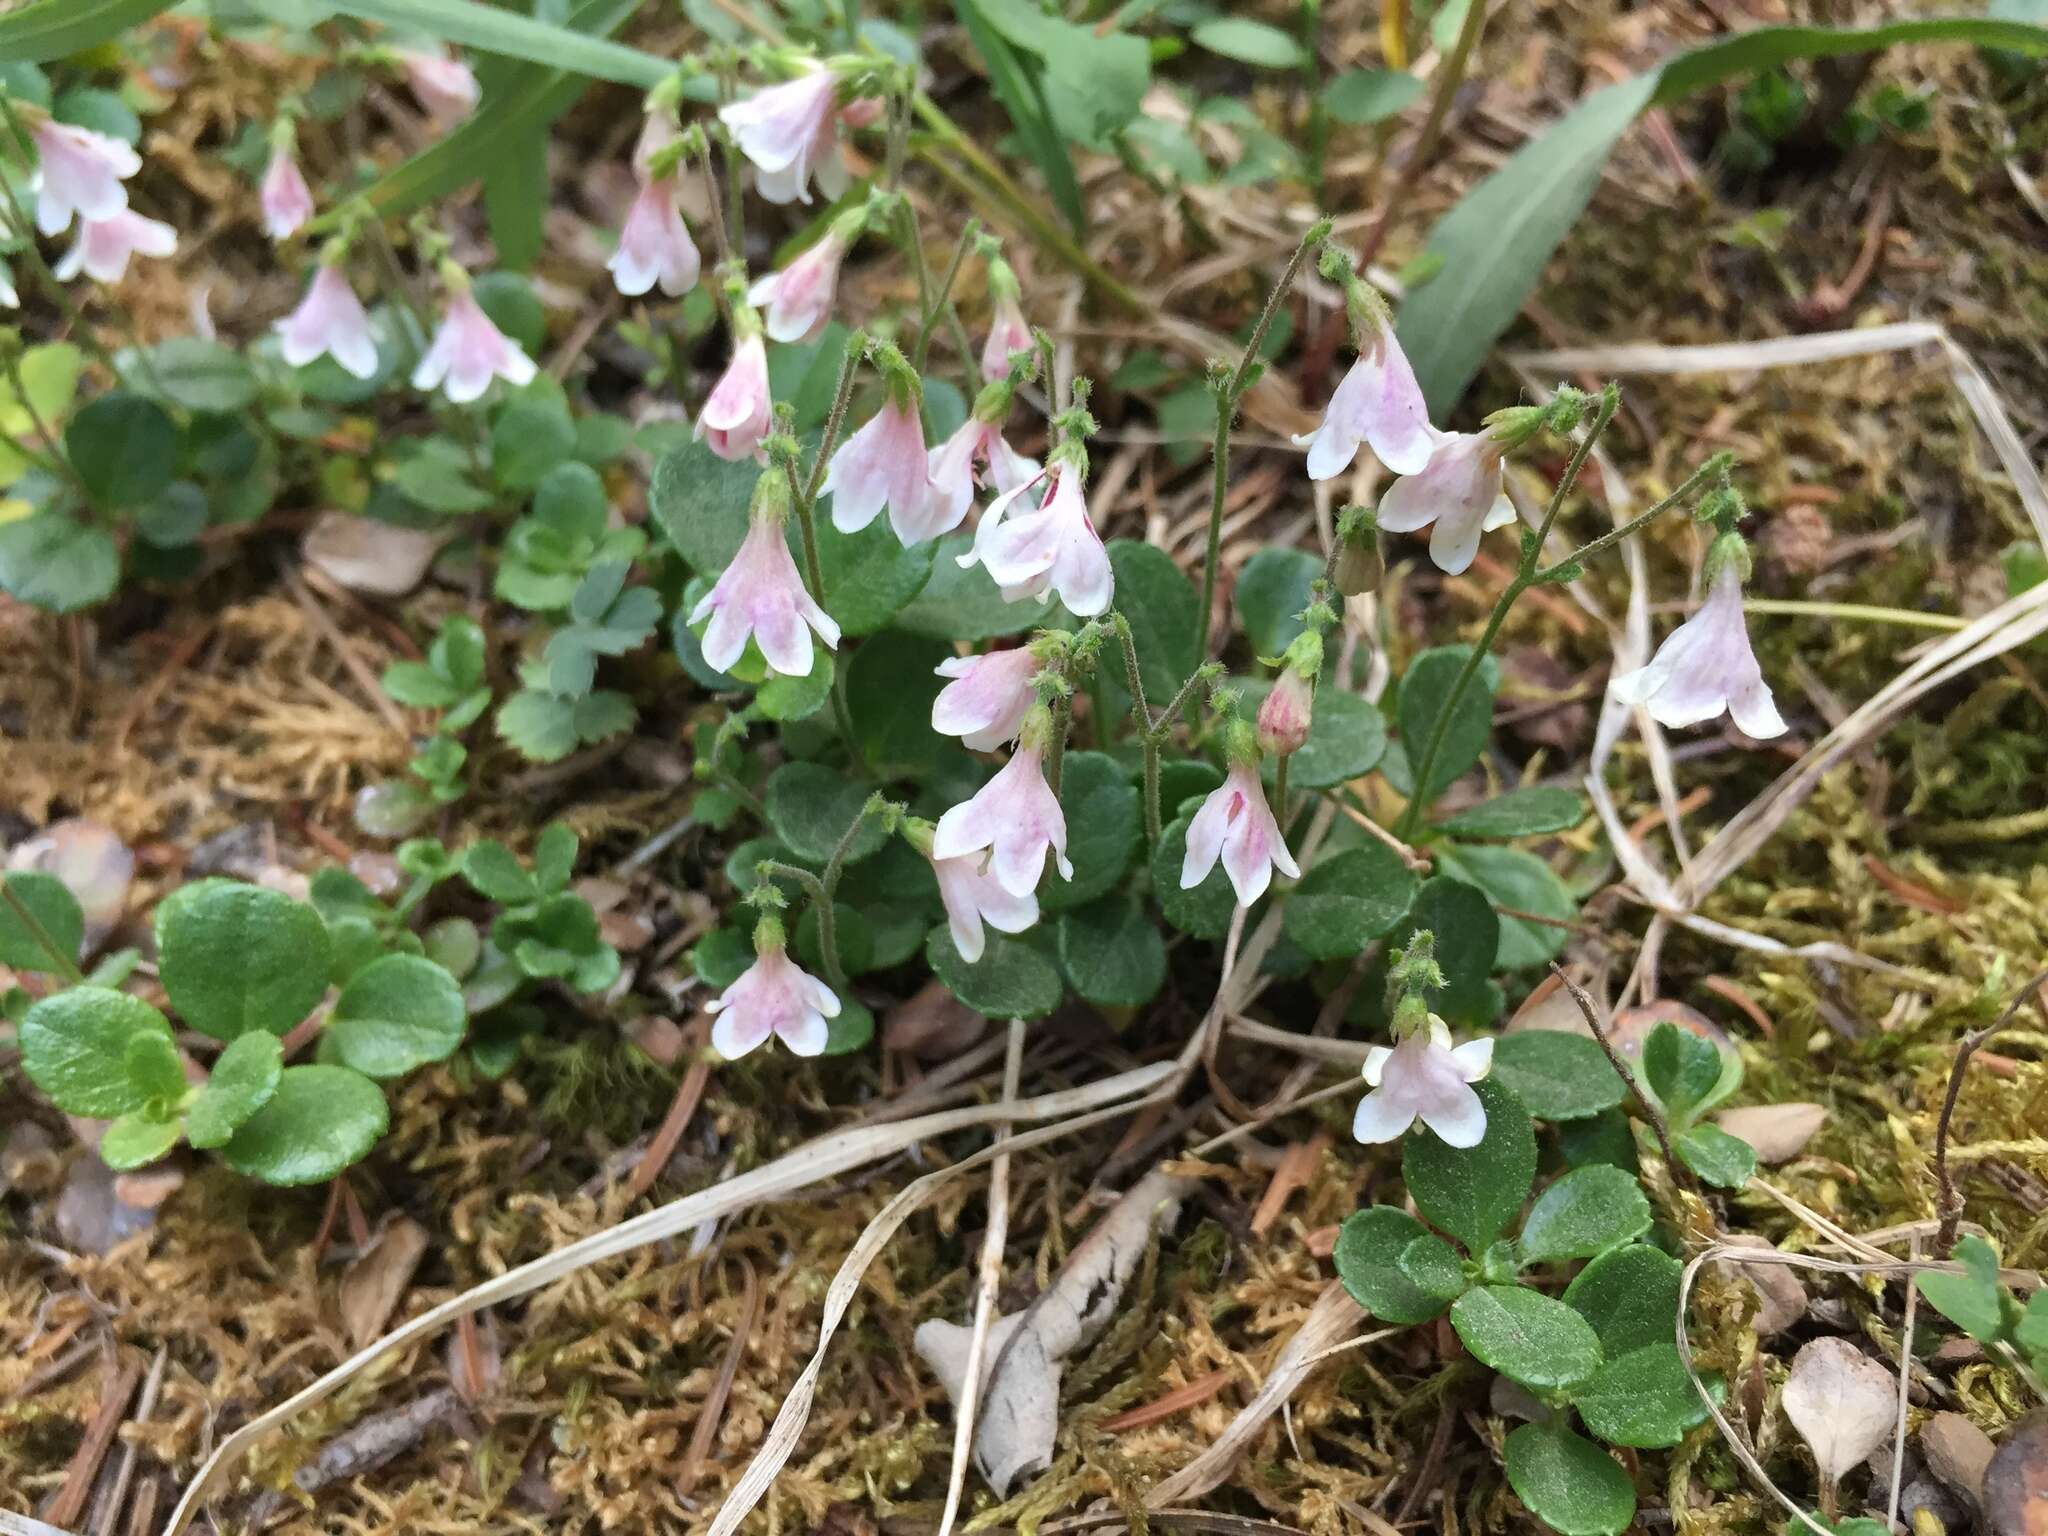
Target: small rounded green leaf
x: 783, y: 699
x: 74, y: 1046
x: 1568, y: 1482
x: 1369, y: 95
x: 1681, y: 1069
x: 850, y: 1029
x: 153, y: 1066
x: 1583, y: 1214
x: 1347, y: 901
x: 809, y: 808
x: 396, y: 1014
x: 1433, y: 1267
x: 125, y: 448
x: 1973, y: 1299
x: 1630, y: 1296
x: 135, y: 1139
x: 1557, y: 1076
x: 1204, y: 911
x: 1425, y: 691
x: 235, y: 957
x: 1474, y: 1192
x: 495, y: 873
x: 1527, y: 1336
x: 1516, y: 880
x: 1723, y: 1160
x: 1368, y: 1257
x: 244, y: 1077
x: 55, y: 562
x: 1011, y: 980
x: 1520, y: 813
x: 1105, y: 821
x: 1112, y: 953
x: 55, y: 912
x: 1249, y: 42
x: 1642, y: 1399
x: 320, y: 1120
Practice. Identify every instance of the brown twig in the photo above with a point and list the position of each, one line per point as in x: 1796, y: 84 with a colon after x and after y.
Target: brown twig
x: 706, y: 1429
x: 688, y: 1095
x: 1200, y: 1390
x: 1680, y: 1174
x: 1949, y: 1200
x: 68, y: 1504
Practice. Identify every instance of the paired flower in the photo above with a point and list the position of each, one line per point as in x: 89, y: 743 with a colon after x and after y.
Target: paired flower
x: 976, y: 454
x: 79, y: 172
x: 1015, y: 816
x: 1008, y: 330
x: 974, y: 898
x: 738, y: 413
x: 1378, y: 403
x: 1052, y: 549
x: 445, y: 85
x: 654, y: 244
x: 104, y: 245
x: 329, y: 321
x: 773, y: 996
x: 1459, y: 491
x: 787, y: 131
x: 798, y: 299
x: 1706, y: 665
x: 883, y: 464
x: 1236, y: 825
x: 468, y: 350
x: 286, y: 200
x: 760, y: 595
x: 1425, y: 1078
x: 988, y: 697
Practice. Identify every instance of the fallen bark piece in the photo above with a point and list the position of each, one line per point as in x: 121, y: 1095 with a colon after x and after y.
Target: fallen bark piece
x: 376, y: 1281
x: 1958, y: 1453
x: 2016, y: 1482
x: 1026, y: 1350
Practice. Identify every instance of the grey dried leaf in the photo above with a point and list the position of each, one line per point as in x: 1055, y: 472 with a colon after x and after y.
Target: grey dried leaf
x: 1781, y: 1296
x: 376, y: 1281
x: 1779, y: 1132
x: 364, y: 555
x: 1841, y: 1401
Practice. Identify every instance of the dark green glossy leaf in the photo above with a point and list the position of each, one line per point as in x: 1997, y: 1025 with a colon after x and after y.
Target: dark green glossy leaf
x: 1528, y: 1337
x: 1474, y: 1192
x: 1368, y: 1259
x: 1112, y: 953
x: 1630, y: 1296
x: 319, y: 1121
x: 1568, y: 1482
x: 1348, y: 900
x: 235, y: 957
x: 1643, y: 1399
x: 1585, y: 1213
x: 1521, y: 812
x: 1557, y: 1076
x: 1011, y: 980
x: 54, y: 920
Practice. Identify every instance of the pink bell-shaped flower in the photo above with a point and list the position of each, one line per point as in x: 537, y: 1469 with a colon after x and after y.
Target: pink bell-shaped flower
x: 1425, y: 1078
x: 1050, y: 549
x: 1459, y: 491
x: 738, y: 414
x: 787, y: 131
x: 988, y: 697
x: 883, y: 464
x: 79, y: 172
x: 445, y: 85
x: 1379, y: 403
x: 1008, y: 332
x: 1015, y: 816
x: 797, y: 301
x: 1236, y: 825
x: 286, y: 199
x: 973, y: 897
x: 773, y: 997
x: 761, y: 595
x: 655, y: 245
x: 104, y: 245
x: 469, y: 350
x: 1706, y: 666
x: 974, y: 455
x: 329, y: 321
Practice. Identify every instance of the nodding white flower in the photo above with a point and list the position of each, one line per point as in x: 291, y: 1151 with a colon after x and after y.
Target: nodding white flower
x: 1378, y: 402
x: 329, y: 321
x: 79, y: 172
x: 797, y: 301
x: 738, y: 413
x: 1008, y: 332
x: 1459, y: 490
x: 1052, y: 549
x: 1286, y: 714
x: 104, y: 245
x: 1425, y: 1078
x: 445, y: 85
x: 786, y: 130
x: 1015, y: 816
x: 883, y: 464
x: 1706, y: 666
x: 1236, y: 825
x: 988, y: 697
x: 469, y: 351
x: 973, y: 897
x: 773, y: 996
x: 761, y: 595
x: 655, y: 245
x: 287, y: 200
x: 974, y: 454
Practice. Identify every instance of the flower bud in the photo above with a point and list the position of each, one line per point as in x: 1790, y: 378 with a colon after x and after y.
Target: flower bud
x: 1286, y: 714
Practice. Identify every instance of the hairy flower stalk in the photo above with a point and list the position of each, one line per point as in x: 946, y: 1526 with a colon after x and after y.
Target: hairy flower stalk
x: 1378, y: 403
x: 329, y: 322
x: 1236, y: 825
x: 773, y: 997
x: 761, y: 596
x: 1422, y: 1076
x: 1705, y: 667
x: 884, y: 464
x: 469, y: 350
x: 974, y: 898
x: 738, y: 414
x: 1014, y: 820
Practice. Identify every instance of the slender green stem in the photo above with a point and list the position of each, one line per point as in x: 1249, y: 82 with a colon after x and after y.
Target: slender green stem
x: 717, y: 205
x: 1056, y: 750
x: 944, y: 297
x: 1707, y: 471
x: 1228, y: 393
x: 1141, y: 714
x: 835, y: 419
x: 1280, y: 793
x: 67, y: 965
x: 746, y: 796
x: 1196, y: 678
